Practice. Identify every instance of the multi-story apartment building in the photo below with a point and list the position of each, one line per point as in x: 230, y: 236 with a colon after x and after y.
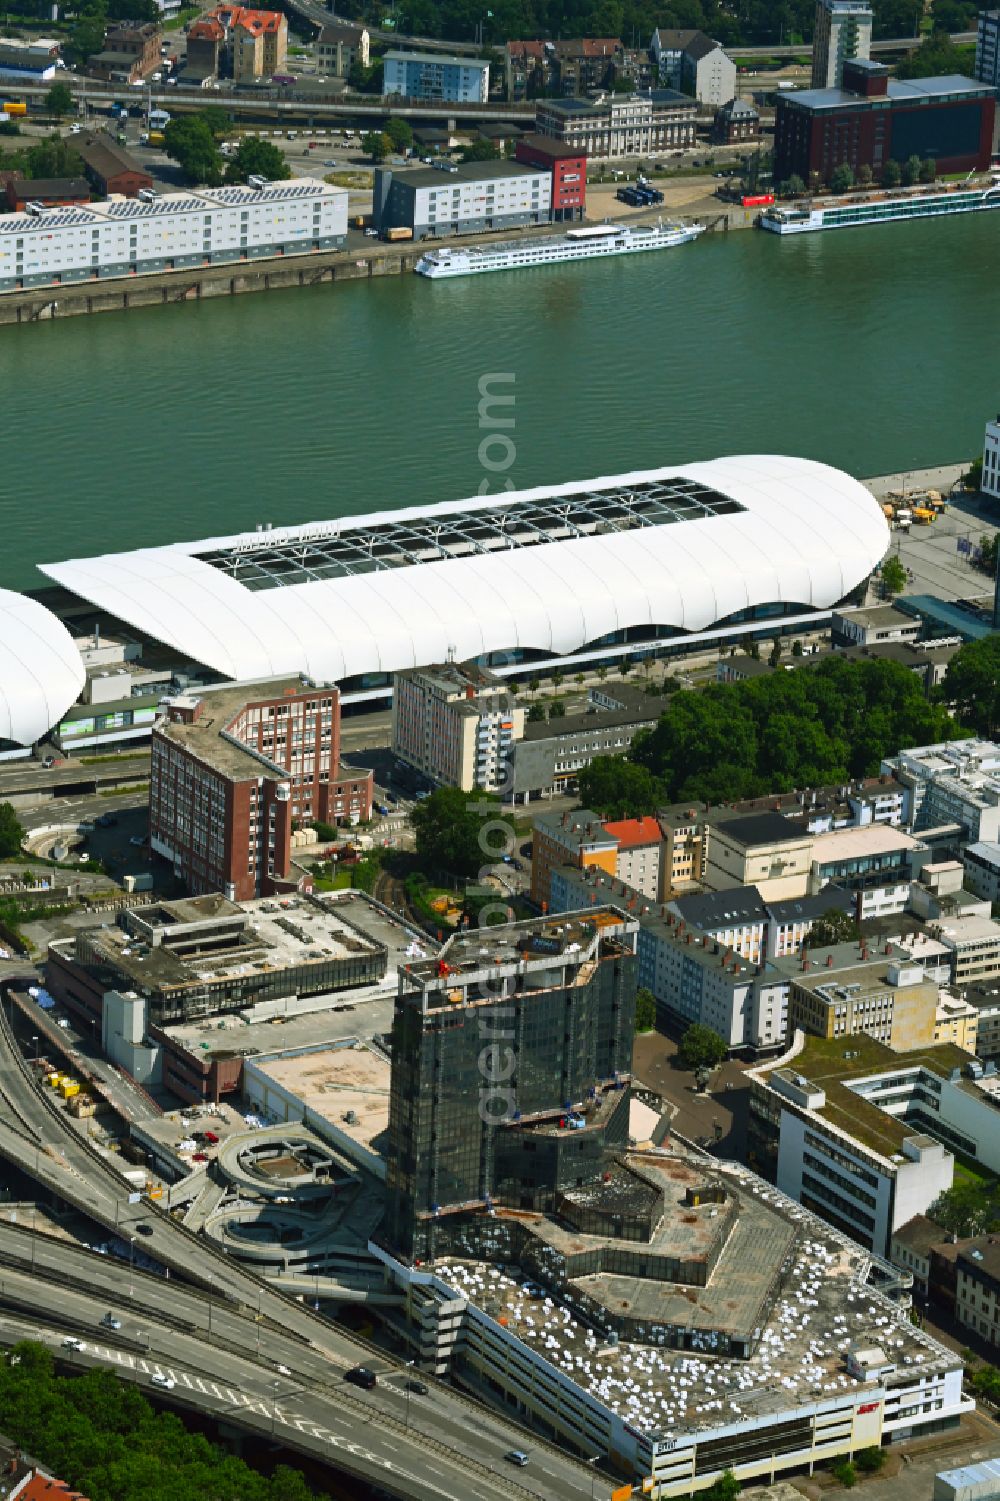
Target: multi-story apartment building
x: 741, y: 919
x: 434, y: 201
x: 466, y: 1134
x: 988, y: 48
x: 639, y: 860
x: 577, y: 838
x: 842, y: 31
x: 759, y: 849
x: 338, y: 48
x: 692, y: 62
x: 954, y: 782
x: 887, y: 1000
x: 977, y: 1289
x: 230, y: 777
x: 986, y: 999
x: 456, y: 723
x: 131, y: 52
x: 435, y: 76
x: 620, y: 124
x: 259, y: 43
x: 168, y: 231
x: 974, y: 945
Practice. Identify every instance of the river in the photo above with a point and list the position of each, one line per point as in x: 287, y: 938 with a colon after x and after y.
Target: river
x: 875, y: 350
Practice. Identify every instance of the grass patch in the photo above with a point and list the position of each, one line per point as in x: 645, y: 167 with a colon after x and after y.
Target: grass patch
x: 103, y: 760
x: 184, y: 15
x: 341, y: 881
x: 358, y: 180
x: 120, y: 791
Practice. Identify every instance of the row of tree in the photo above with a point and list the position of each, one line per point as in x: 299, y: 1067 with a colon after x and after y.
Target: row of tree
x: 813, y: 727
x: 843, y: 178
x: 193, y: 142
x: 102, y: 1437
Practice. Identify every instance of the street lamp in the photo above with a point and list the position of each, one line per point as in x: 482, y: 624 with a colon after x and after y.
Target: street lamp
x: 408, y: 1366
x: 592, y: 1461
x: 211, y: 1289
x: 131, y: 1266
x: 274, y: 1406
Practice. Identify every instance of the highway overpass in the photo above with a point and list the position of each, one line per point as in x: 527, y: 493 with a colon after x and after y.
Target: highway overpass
x: 204, y: 1317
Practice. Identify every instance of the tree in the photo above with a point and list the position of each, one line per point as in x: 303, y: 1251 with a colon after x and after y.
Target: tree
x: 190, y: 141
x: 87, y: 36
x: 479, y: 151
x: 775, y: 656
x: 726, y: 1488
x: 362, y: 80
x: 645, y: 1010
x: 972, y: 684
x: 843, y: 178
x: 864, y: 176
x: 796, y: 648
x: 59, y: 99
x: 400, y: 134
x: 11, y: 832
x: 377, y: 144
x: 845, y: 1474
x: 447, y: 826
x: 53, y: 157
x: 793, y: 187
x: 557, y: 709
x: 928, y: 173
x: 870, y: 1461
x: 615, y: 788
x: 973, y: 476
x: 892, y: 175
x: 535, y: 714
x: 833, y: 927
x: 701, y: 1047
x: 967, y: 1208
x: 257, y: 157
x: 893, y: 576
x: 988, y: 554
x: 911, y: 171
x: 936, y: 55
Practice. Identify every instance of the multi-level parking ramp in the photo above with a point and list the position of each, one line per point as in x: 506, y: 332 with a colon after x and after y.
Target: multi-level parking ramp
x: 236, y: 1348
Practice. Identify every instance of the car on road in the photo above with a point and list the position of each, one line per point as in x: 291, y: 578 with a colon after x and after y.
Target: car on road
x: 420, y: 1387
x: 137, y: 841
x: 282, y: 1370
x: 167, y: 1382
x: 371, y: 234
x: 72, y: 1343
x: 144, y: 1229
x: 517, y: 1457
x: 110, y: 1322
x: 360, y: 1375
x: 48, y: 761
x: 331, y: 164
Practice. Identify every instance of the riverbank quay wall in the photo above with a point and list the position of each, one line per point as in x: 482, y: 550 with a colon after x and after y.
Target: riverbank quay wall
x: 233, y: 279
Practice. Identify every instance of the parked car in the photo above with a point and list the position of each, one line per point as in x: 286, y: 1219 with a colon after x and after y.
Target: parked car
x: 144, y: 1229
x: 137, y: 841
x: 72, y: 1343
x: 420, y: 1387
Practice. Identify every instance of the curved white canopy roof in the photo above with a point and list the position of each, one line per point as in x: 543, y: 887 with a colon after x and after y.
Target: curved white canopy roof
x: 798, y: 533
x: 41, y: 671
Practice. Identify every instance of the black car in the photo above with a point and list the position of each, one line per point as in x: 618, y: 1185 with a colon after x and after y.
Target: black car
x: 144, y: 1229
x: 360, y: 1375
x: 420, y: 1387
x: 107, y: 821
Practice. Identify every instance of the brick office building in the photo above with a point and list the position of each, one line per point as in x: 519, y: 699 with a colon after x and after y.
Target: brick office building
x: 873, y: 120
x: 231, y: 776
x: 568, y: 165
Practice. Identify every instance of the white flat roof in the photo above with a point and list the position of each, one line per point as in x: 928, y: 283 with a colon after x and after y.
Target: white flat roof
x: 552, y: 569
x: 851, y: 844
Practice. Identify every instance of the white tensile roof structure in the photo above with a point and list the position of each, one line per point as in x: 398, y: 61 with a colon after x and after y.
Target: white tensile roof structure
x: 550, y: 569
x: 41, y: 671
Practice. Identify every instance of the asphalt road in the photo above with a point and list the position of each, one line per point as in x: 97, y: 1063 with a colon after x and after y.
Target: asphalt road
x: 44, y: 1145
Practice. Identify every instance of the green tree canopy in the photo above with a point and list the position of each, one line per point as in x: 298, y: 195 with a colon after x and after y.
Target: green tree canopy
x: 448, y: 825
x: 834, y: 926
x: 53, y: 157
x: 893, y: 576
x: 400, y: 134
x: 255, y: 156
x: 701, y: 1047
x: 11, y: 832
x: 87, y: 35
x: 969, y: 1207
x: 892, y: 174
x: 615, y: 788
x: 190, y: 140
x: 843, y: 178
x: 479, y: 151
x: 377, y: 144
x: 645, y: 1010
x: 972, y: 684
x: 59, y: 99
x: 936, y: 55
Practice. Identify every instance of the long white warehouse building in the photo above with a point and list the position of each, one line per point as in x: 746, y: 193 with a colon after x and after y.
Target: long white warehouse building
x: 579, y: 571
x: 164, y: 232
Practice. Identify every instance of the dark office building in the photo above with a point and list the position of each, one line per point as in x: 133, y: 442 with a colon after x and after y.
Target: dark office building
x: 510, y: 1071
x: 874, y: 119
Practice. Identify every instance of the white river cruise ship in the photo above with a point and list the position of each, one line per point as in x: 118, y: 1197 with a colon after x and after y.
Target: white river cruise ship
x: 881, y: 207
x: 575, y: 245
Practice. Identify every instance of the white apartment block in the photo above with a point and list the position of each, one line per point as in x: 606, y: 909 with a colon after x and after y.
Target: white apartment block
x: 457, y: 724
x: 990, y: 484
x: 974, y: 945
x: 988, y: 71
x: 981, y: 864
x: 954, y: 782
x: 620, y: 124
x: 842, y: 32
x: 127, y: 237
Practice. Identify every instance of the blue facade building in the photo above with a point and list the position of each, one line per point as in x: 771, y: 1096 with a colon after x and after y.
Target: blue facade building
x: 434, y: 75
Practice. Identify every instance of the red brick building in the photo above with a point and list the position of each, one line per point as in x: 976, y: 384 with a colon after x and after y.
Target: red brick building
x: 54, y: 192
x: 568, y: 165
x: 873, y: 120
x: 231, y: 776
x: 110, y: 169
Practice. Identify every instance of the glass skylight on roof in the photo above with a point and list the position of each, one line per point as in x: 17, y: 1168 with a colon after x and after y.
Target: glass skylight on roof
x: 341, y: 549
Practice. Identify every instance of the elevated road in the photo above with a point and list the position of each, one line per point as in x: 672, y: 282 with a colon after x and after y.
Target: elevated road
x: 204, y: 1331
x: 891, y: 44
x: 409, y: 1444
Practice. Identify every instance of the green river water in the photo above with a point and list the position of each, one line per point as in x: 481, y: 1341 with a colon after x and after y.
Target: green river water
x: 876, y: 350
